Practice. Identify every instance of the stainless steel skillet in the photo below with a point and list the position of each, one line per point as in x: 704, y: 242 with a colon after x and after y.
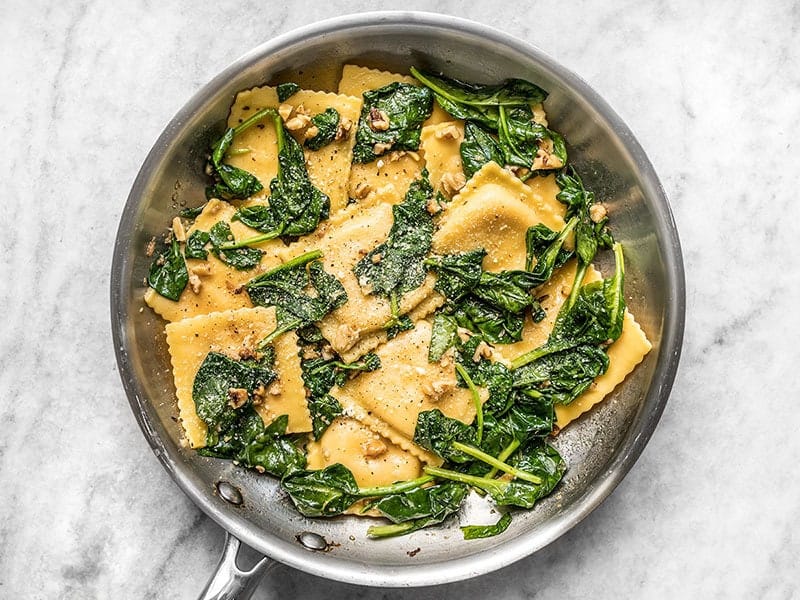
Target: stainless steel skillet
x: 599, y: 449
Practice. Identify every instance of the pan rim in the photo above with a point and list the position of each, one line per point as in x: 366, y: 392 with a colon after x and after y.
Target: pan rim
x: 342, y: 568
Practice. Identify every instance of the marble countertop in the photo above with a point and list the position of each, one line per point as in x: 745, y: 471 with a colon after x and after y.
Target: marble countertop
x: 711, y: 90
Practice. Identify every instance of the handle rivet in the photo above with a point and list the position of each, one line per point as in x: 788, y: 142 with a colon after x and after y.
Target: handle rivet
x: 312, y: 541
x: 229, y: 493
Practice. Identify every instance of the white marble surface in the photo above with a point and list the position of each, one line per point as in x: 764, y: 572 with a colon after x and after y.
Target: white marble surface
x: 712, y: 90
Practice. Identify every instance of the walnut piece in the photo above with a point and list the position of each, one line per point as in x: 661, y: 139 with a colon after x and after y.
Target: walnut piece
x: 362, y: 190
x: 483, y: 350
x: 285, y: 111
x: 597, y: 212
x: 380, y: 148
x: 449, y: 132
x: 237, y: 397
x: 453, y: 182
x: 373, y: 448
x: 194, y: 282
x: 378, y: 120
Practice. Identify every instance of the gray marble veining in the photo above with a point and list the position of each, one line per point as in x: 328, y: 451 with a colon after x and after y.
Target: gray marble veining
x: 711, y: 90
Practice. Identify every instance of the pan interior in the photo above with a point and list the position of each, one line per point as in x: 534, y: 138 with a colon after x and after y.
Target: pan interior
x: 599, y: 448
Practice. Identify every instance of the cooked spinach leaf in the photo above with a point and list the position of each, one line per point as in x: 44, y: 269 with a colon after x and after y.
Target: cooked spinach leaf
x: 477, y: 102
x: 296, y: 206
x: 474, y: 532
x: 224, y: 247
x: 418, y: 508
x: 320, y: 375
x: 196, y: 245
x: 296, y: 203
x: 233, y: 183
x: 168, y: 274
x: 286, y: 90
x: 562, y: 376
x: 324, y: 493
x: 479, y: 148
x: 589, y: 235
x: 192, y: 213
x: 592, y: 315
x: 391, y: 119
x: 397, y: 265
x: 287, y: 288
x: 327, y: 123
x: 536, y: 467
x: 444, y: 335
x: 504, y: 110
x: 437, y: 432
x: 545, y: 250
x: 216, y: 385
x: 457, y: 274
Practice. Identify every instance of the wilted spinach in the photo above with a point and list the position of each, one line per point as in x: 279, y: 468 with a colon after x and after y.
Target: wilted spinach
x: 474, y: 532
x: 301, y: 291
x: 224, y: 247
x: 233, y: 183
x: 196, y: 245
x: 397, y: 265
x: 404, y: 106
x: 592, y: 316
x: 168, y: 274
x: 589, y: 235
x: 504, y: 110
x: 418, y: 508
x: 286, y: 90
x: 327, y: 123
x: 320, y: 375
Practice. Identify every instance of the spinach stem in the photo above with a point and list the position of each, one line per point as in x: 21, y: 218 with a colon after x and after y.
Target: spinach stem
x: 278, y: 331
x: 379, y: 531
x: 297, y: 261
x: 507, y: 451
x: 395, y: 488
x: 253, y: 119
x: 576, y: 285
x: 476, y: 400
x: 492, y: 461
x: 264, y: 237
x: 539, y: 352
x: 489, y: 485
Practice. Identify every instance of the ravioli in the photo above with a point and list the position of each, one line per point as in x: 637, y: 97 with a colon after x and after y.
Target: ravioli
x: 373, y: 459
x: 219, y: 283
x: 406, y: 385
x: 359, y: 323
x: 493, y: 212
x: 190, y: 341
x: 255, y: 149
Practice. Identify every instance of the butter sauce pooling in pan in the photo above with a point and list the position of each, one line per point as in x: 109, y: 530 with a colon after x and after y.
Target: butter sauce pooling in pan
x: 388, y: 300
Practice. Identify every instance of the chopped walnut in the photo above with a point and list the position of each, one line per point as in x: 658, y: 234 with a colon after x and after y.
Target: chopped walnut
x: 517, y: 170
x: 246, y: 353
x: 362, y: 190
x: 373, y: 448
x: 432, y: 206
x: 464, y: 334
x: 597, y: 212
x: 201, y: 270
x: 545, y: 158
x: 376, y: 258
x: 151, y: 247
x: 285, y: 111
x: 448, y: 359
x: 274, y: 388
x: 483, y: 350
x: 259, y: 395
x: 260, y: 469
x: 380, y: 148
x: 237, y: 397
x: 195, y: 283
x: 298, y: 122
x: 327, y: 352
x: 453, y: 182
x: 177, y: 229
x: 438, y: 388
x: 450, y: 132
x: 302, y: 110
x: 310, y: 352
x: 378, y: 120
x: 343, y: 131
x: 311, y: 132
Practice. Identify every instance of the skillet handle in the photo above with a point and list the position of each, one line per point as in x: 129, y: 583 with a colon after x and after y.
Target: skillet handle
x: 229, y: 582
